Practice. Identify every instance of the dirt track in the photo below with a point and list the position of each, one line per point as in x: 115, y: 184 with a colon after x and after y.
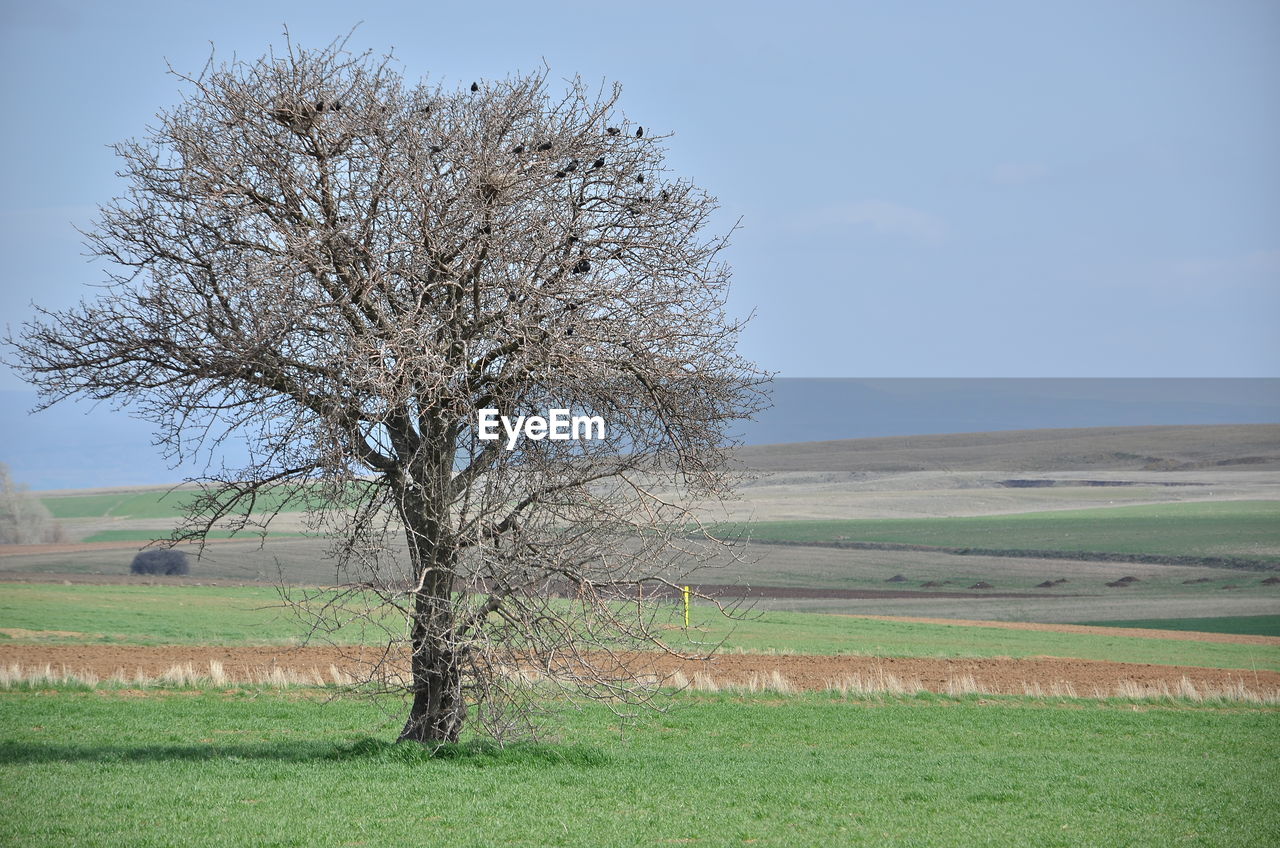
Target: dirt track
x: 994, y: 675
x: 79, y: 547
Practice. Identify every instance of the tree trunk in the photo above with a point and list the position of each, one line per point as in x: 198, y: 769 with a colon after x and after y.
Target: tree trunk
x: 439, y: 708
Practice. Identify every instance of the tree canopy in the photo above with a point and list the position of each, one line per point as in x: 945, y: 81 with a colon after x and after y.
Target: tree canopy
x: 344, y: 268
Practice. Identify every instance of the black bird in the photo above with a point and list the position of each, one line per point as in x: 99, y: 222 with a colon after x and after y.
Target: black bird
x: 475, y: 86
x: 612, y: 130
x: 639, y: 132
x: 319, y: 105
x: 569, y: 332
x: 337, y: 105
x: 560, y: 174
x: 572, y: 239
x: 435, y: 148
x: 599, y: 163
x: 571, y: 167
x: 546, y: 145
x: 666, y: 195
x: 518, y: 149
x: 639, y: 178
x: 485, y: 230
x: 582, y: 266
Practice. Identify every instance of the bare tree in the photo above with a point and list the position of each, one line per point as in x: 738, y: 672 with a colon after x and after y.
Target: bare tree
x: 24, y: 520
x: 345, y: 269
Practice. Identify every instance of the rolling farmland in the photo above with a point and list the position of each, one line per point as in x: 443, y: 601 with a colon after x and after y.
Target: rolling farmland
x: 1063, y: 638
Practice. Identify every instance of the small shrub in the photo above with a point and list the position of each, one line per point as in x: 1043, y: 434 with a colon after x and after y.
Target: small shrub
x: 160, y: 562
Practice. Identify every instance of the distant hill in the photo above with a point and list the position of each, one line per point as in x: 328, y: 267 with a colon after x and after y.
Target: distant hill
x: 80, y: 445
x: 1223, y: 447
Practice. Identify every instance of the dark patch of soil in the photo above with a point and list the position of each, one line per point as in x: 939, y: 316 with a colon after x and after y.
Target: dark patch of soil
x: 1044, y: 484
x: 1019, y: 553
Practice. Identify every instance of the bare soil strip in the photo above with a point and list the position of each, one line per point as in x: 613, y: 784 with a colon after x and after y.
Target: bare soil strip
x: 124, y: 579
x: 80, y: 547
x: 729, y: 590
x: 1241, y: 563
x: 1093, y: 630
x: 996, y: 675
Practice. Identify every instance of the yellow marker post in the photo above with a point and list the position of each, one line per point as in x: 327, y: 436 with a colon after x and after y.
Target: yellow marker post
x: 686, y: 607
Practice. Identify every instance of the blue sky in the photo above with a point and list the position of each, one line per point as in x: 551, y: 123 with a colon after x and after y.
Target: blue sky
x: 926, y: 189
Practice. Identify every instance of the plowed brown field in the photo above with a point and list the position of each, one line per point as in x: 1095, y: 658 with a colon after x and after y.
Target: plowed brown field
x: 998, y: 675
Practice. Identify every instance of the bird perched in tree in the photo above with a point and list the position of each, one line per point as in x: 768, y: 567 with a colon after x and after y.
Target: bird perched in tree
x: 612, y: 130
x: 639, y: 178
x: 599, y: 163
x: 639, y: 132
x: 518, y: 149
x: 582, y: 266
x: 571, y: 167
x: 569, y: 332
x: 546, y: 145
x: 560, y: 174
x: 475, y: 86
x: 485, y: 230
x: 319, y: 105
x: 337, y: 105
x: 666, y: 195
x: 435, y: 148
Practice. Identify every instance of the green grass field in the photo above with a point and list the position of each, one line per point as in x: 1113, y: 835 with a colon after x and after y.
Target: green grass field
x: 158, y: 503
x: 285, y: 769
x: 149, y: 503
x: 150, y: 615
x: 1231, y: 528
x: 246, y: 615
x: 1257, y: 625
x: 152, y: 535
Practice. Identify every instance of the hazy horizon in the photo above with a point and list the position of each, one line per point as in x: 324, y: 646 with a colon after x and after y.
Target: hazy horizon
x: 75, y: 446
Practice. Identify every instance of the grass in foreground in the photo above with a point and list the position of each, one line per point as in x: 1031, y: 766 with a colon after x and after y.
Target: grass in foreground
x: 232, y: 768
x: 1231, y: 528
x: 245, y: 615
